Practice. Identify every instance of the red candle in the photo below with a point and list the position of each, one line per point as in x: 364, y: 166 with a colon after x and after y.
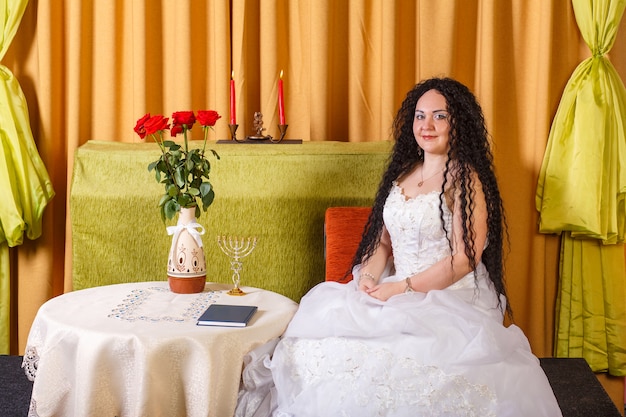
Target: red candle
x: 233, y: 107
x: 281, y: 100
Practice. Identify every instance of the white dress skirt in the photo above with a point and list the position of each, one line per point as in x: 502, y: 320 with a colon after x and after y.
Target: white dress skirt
x: 441, y: 353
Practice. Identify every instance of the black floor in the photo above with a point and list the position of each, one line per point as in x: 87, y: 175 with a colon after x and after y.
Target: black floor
x: 575, y: 386
x: 577, y: 389
x: 15, y: 388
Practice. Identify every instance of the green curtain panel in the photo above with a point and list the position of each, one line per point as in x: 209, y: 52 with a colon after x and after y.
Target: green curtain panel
x: 24, y: 181
x: 581, y: 195
x: 590, y: 317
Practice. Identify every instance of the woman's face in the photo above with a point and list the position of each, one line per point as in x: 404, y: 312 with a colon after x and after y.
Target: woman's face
x: 431, y: 125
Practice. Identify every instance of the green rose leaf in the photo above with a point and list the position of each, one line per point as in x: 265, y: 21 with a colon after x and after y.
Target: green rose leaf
x: 170, y: 209
x: 179, y: 177
x: 164, y: 199
x: 185, y: 200
x: 205, y: 188
x: 172, y: 190
x: 207, y: 199
x: 171, y: 145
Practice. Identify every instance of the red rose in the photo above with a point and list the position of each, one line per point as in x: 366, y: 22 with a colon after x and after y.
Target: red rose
x: 176, y: 129
x: 208, y: 117
x: 140, y: 127
x: 156, y: 124
x: 185, y: 119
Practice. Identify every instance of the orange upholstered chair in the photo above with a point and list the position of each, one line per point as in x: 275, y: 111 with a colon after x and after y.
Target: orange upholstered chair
x: 343, y: 227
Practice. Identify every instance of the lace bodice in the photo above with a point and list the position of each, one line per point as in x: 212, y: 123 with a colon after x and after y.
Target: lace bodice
x: 414, y: 226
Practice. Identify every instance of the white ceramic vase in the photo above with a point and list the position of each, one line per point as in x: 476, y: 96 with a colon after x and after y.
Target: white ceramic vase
x: 186, y: 267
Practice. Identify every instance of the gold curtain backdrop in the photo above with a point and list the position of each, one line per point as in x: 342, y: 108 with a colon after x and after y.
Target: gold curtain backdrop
x: 90, y: 69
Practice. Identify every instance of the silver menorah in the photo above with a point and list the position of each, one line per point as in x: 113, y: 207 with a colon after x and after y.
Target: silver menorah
x: 236, y: 249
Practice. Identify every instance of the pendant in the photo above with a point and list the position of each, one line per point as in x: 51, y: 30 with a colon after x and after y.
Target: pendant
x: 419, y: 184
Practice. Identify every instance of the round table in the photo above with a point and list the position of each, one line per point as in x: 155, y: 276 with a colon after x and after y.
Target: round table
x: 135, y: 350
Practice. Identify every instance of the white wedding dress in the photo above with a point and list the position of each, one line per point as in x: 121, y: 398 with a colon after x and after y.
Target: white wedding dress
x: 443, y: 353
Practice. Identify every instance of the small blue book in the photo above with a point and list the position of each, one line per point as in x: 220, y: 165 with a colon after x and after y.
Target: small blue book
x: 227, y: 315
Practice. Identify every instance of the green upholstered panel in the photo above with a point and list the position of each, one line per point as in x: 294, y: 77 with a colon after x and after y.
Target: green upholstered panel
x: 278, y: 193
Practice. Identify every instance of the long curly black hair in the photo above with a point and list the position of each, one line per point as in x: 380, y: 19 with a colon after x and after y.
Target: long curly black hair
x: 469, y: 152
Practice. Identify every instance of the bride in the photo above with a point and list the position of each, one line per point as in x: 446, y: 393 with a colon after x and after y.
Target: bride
x: 419, y: 331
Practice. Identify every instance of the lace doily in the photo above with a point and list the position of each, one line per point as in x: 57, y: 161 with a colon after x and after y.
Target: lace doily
x: 30, y: 362
x: 130, y: 309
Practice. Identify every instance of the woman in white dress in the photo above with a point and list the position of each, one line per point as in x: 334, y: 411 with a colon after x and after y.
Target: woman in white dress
x: 419, y: 331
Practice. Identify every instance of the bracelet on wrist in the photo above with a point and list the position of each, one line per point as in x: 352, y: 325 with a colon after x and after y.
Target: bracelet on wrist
x: 408, y: 285
x: 366, y: 275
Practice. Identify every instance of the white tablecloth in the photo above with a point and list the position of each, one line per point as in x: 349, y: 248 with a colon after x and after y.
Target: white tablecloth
x: 135, y: 350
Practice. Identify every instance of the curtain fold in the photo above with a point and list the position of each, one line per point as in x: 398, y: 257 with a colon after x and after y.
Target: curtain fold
x: 26, y: 187
x: 580, y: 194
